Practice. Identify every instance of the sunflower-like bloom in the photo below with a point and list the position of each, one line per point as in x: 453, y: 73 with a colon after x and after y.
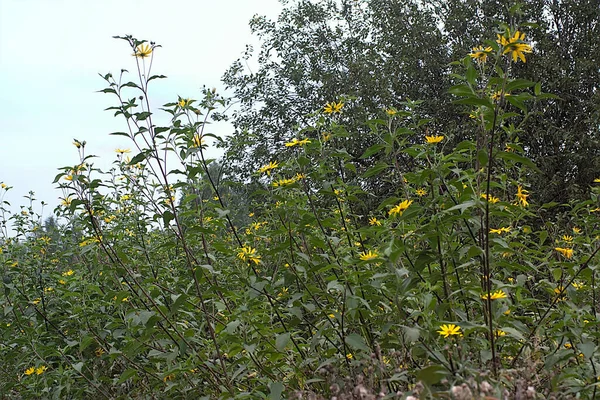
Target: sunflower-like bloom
x: 566, y: 252
x: 498, y: 294
x: 500, y: 230
x: 368, y: 255
x: 143, y: 50
x: 522, y: 196
x: 268, y: 168
x: 480, y: 54
x: 374, y: 221
x: 30, y: 371
x: 421, y: 192
x: 515, y: 45
x: 434, y: 139
x: 449, y: 329
x: 333, y: 107
x: 248, y: 253
x: 122, y: 151
x: 284, y: 182
x: 400, y: 208
x: 296, y: 142
x: 491, y: 199
x: 40, y: 370
x: 197, y: 140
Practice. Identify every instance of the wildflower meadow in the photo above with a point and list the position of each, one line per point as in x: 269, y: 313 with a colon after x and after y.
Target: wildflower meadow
x: 168, y: 277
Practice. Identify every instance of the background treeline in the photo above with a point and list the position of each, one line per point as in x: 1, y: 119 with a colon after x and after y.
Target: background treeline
x: 382, y: 53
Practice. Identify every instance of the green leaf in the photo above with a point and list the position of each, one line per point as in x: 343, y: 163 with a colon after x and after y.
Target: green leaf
x: 373, y: 150
x: 432, y: 375
x: 138, y: 158
x: 276, y: 391
x: 128, y: 373
x: 282, y: 341
x: 356, y: 341
x: 376, y: 169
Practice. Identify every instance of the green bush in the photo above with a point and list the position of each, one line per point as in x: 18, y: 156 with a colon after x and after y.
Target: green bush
x: 458, y: 285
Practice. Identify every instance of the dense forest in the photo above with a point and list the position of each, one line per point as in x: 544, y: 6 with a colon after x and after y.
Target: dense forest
x: 407, y: 208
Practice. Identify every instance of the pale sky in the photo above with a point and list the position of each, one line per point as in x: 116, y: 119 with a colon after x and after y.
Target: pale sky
x: 51, y: 52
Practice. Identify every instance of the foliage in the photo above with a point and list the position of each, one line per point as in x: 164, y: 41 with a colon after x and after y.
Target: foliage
x: 443, y: 287
x: 381, y: 53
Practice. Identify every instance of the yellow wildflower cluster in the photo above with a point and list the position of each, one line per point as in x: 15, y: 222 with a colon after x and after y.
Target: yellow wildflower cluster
x: 566, y: 252
x: 498, y: 294
x: 368, y: 255
x: 38, y: 371
x: 374, y: 221
x: 449, y: 330
x: 247, y: 253
x: 480, y: 54
x: 333, y: 107
x: 143, y: 50
x: 288, y: 181
x: 522, y: 196
x: 515, y: 45
x: 400, y: 208
x: 500, y: 230
x: 268, y: 168
x: 433, y: 139
x: 492, y: 199
x: 197, y: 141
x: 296, y: 142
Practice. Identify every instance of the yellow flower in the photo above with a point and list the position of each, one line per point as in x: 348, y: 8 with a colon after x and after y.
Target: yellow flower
x: 597, y: 180
x: 578, y: 286
x: 169, y: 377
x: 247, y: 253
x: 349, y: 356
x: 122, y: 151
x: 421, y: 192
x: 498, y: 294
x: 62, y: 281
x: 333, y: 107
x: 480, y: 54
x: 142, y: 51
x: 183, y: 102
x: 514, y: 45
x: 500, y: 230
x: 66, y: 201
x: 576, y: 230
x: 296, y: 142
x: 368, y: 256
x: 391, y: 112
x: 497, y: 96
x: 197, y: 141
x: 500, y: 332
x: 68, y: 273
x: 567, y: 238
x: 449, y: 329
x: 3, y: 185
x: 374, y: 221
x: 268, y: 168
x: 492, y: 199
x: 434, y: 139
x: 521, y: 196
x: 283, y: 182
x: 99, y: 351
x: 568, y: 253
x: 568, y: 345
x: 400, y: 208
x: 40, y: 370
x: 36, y: 301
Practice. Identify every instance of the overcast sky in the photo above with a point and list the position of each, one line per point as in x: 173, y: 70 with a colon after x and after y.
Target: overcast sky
x: 51, y: 52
